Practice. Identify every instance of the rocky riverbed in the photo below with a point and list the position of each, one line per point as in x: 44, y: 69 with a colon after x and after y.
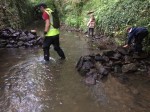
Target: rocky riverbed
x: 12, y: 38
x: 119, y: 63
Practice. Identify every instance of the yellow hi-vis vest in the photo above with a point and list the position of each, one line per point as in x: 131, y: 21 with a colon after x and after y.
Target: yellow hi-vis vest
x: 52, y: 31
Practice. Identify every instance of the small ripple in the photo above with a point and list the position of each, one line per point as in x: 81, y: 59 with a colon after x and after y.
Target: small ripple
x: 24, y: 87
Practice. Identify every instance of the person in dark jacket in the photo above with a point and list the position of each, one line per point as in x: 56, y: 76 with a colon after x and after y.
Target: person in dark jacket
x: 135, y: 37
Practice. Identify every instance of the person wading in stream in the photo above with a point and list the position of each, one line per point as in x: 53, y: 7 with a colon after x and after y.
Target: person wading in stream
x: 135, y: 37
x: 50, y: 32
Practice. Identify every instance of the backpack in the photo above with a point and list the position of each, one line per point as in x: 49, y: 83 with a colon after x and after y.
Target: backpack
x: 56, y: 21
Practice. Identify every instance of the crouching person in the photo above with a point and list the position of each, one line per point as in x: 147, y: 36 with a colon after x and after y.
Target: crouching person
x: 136, y: 36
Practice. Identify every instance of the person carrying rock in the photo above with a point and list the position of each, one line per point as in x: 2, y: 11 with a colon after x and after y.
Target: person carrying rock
x: 135, y: 37
x: 91, y: 25
x: 51, y: 33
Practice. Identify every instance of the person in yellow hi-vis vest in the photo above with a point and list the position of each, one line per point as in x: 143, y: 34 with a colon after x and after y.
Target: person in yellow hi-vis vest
x: 51, y: 34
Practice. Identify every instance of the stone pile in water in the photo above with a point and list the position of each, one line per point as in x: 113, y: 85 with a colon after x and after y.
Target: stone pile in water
x: 117, y: 62
x: 11, y: 38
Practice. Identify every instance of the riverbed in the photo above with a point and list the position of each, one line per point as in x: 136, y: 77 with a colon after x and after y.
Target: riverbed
x: 29, y: 84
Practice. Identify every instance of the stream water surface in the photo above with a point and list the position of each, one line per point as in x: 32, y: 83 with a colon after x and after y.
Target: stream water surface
x: 28, y: 84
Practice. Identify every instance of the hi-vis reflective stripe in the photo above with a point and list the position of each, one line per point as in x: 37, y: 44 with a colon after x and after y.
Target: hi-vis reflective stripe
x: 52, y: 31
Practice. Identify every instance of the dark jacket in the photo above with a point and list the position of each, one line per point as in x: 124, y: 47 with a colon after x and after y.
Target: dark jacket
x: 135, y: 32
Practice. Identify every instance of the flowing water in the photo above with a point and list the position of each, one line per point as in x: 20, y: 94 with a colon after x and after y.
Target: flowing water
x: 28, y: 84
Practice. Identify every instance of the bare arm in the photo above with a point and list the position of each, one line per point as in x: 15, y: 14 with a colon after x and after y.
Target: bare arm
x: 89, y: 22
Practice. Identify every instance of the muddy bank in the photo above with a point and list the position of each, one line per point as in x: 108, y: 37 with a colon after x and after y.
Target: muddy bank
x: 12, y: 38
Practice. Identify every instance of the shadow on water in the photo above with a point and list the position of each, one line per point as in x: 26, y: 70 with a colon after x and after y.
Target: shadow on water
x: 28, y: 84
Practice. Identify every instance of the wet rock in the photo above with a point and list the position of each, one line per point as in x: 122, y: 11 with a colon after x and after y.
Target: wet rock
x: 79, y: 63
x: 16, y: 34
x: 9, y: 46
x: 18, y: 38
x: 86, y: 67
x: 120, y: 63
x: 101, y: 69
x: 39, y: 41
x: 10, y: 30
x: 109, y: 64
x: 117, y: 56
x: 31, y: 36
x: 117, y: 69
x: 128, y: 59
x: 12, y: 42
x: 106, y: 59
x: 142, y: 68
x: 90, y: 80
x: 2, y: 45
x: 3, y: 41
x: 32, y: 42
x: 4, y: 35
x: 93, y: 73
x: 114, y: 58
x: 27, y: 44
x: 87, y: 58
x: 132, y: 67
x: 98, y: 57
x: 20, y: 43
x: 108, y: 53
x: 122, y: 50
x: 15, y: 46
x: 23, y: 37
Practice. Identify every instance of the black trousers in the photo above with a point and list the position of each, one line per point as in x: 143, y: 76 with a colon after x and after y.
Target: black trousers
x: 138, y: 40
x: 91, y: 30
x: 52, y: 40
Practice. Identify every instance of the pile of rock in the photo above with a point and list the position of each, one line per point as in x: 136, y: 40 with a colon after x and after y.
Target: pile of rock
x: 11, y: 38
x: 116, y: 62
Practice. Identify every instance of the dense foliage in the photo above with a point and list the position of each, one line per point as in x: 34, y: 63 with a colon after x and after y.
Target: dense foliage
x: 21, y: 7
x: 112, y: 16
